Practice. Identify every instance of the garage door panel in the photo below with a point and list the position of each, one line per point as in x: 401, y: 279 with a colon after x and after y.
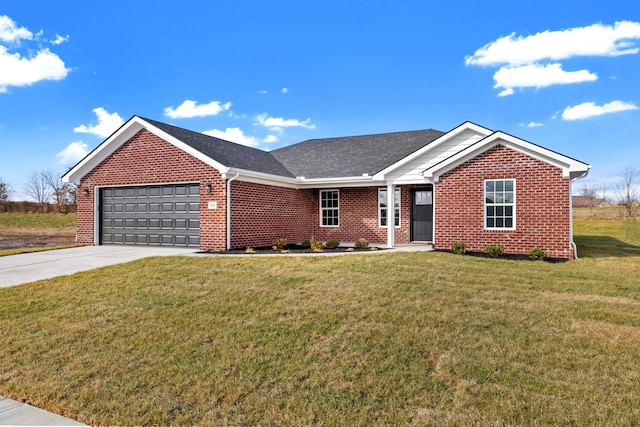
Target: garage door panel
x: 151, y: 215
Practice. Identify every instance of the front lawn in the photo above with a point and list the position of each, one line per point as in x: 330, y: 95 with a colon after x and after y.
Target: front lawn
x: 378, y: 339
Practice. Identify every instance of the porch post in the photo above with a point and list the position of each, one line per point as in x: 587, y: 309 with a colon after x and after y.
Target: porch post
x: 391, y: 216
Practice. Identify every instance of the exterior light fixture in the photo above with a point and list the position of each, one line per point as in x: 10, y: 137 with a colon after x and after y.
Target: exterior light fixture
x: 208, y: 185
x: 86, y: 192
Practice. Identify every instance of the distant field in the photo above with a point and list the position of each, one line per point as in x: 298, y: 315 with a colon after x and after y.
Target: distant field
x: 21, y: 232
x: 381, y: 339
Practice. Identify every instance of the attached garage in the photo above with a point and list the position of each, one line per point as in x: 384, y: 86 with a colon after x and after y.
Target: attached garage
x: 159, y: 215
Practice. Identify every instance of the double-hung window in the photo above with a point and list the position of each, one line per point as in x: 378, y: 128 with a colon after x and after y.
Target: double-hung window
x: 500, y: 204
x: 329, y: 208
x: 383, y: 202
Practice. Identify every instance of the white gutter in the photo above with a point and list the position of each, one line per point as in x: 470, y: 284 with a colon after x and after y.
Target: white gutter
x: 229, y: 209
x: 573, y: 244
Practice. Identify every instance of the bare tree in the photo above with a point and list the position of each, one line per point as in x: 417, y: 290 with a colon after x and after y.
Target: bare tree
x: 37, y: 187
x: 628, y: 190
x: 592, y: 194
x: 5, y: 194
x: 63, y: 193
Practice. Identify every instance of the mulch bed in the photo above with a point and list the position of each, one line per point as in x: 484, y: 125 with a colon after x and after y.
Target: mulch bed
x: 292, y: 249
x: 511, y: 257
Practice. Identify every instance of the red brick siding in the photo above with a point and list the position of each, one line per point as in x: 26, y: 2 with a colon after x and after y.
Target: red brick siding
x: 148, y: 159
x: 359, y: 217
x: 262, y: 213
x: 542, y: 205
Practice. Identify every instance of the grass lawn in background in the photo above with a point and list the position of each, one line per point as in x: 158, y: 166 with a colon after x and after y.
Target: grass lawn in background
x: 380, y: 339
x: 21, y: 233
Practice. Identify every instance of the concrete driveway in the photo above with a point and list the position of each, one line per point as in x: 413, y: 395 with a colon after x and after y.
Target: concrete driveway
x: 25, y: 268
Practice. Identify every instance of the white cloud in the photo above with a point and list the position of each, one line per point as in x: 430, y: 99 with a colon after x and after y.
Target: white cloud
x: 594, y: 40
x: 19, y: 70
x: 10, y: 33
x: 284, y: 90
x: 189, y: 109
x: 270, y: 138
x: 531, y: 125
x: 587, y: 110
x: 537, y: 76
x: 234, y: 135
x: 277, y: 124
x: 60, y: 39
x: 73, y: 153
x: 532, y: 61
x: 107, y: 123
x: 263, y: 92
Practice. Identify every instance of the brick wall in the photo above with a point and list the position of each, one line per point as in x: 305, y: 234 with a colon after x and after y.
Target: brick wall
x: 359, y: 217
x: 262, y: 213
x: 148, y: 159
x: 542, y: 205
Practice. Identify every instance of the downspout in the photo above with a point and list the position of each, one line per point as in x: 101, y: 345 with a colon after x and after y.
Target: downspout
x: 229, y: 209
x: 573, y: 244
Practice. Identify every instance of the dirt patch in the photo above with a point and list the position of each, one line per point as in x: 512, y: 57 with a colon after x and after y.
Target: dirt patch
x: 17, y: 238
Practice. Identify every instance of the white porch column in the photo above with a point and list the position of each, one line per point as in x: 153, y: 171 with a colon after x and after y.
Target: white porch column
x: 391, y: 216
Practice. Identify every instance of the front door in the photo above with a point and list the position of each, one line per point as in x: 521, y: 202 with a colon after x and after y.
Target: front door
x: 422, y: 214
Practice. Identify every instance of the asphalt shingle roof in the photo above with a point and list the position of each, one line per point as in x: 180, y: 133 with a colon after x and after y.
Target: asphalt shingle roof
x: 227, y: 153
x: 314, y: 158
x: 352, y: 155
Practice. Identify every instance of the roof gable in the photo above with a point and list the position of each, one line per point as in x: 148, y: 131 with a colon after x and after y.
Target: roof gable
x: 571, y: 168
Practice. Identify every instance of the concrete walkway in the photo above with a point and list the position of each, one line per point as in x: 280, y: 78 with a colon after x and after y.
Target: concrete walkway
x: 13, y: 413
x: 25, y: 268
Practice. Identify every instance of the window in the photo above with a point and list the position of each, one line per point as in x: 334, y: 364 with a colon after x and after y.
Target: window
x: 329, y: 208
x: 382, y: 207
x: 499, y: 203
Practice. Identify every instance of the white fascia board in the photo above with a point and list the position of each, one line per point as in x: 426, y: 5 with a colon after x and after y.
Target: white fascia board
x: 567, y: 164
x: 122, y: 135
x: 435, y: 143
x: 337, y: 182
x: 261, y: 178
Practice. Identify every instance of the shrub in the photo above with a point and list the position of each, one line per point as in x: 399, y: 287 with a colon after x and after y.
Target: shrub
x: 316, y: 245
x: 361, y: 243
x: 459, y: 248
x: 495, y: 250
x: 332, y: 244
x: 279, y: 244
x: 249, y: 250
x: 306, y: 244
x: 537, y: 254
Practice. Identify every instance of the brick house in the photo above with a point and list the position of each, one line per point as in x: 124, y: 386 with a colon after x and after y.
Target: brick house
x: 151, y: 183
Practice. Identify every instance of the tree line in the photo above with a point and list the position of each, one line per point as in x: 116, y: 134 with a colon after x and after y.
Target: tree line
x: 626, y: 192
x: 45, y: 188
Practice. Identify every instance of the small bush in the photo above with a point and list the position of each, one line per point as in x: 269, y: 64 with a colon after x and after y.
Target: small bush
x: 332, y: 244
x: 279, y: 244
x: 537, y: 254
x: 316, y: 245
x: 495, y: 250
x: 459, y: 248
x: 306, y: 244
x: 361, y: 243
x: 249, y: 250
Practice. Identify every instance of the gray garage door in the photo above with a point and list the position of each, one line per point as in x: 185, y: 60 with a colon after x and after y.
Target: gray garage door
x: 167, y: 215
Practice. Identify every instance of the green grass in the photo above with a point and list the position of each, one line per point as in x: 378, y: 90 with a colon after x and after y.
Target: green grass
x: 384, y: 339
x: 36, y: 220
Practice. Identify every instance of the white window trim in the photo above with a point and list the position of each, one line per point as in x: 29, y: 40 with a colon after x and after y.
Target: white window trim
x: 321, y: 208
x: 484, y: 204
x: 399, y: 200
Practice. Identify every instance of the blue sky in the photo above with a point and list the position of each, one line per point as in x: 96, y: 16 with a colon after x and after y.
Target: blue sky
x: 269, y: 74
